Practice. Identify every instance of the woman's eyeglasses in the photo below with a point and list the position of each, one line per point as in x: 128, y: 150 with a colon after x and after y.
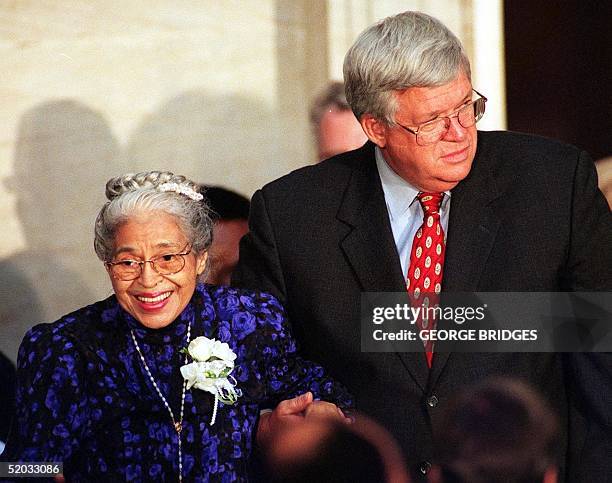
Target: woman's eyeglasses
x: 166, y: 264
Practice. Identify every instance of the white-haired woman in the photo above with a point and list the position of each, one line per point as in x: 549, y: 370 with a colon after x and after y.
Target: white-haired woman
x: 165, y: 379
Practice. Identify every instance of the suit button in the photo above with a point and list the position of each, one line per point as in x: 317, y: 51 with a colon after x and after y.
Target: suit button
x: 432, y: 401
x: 425, y: 467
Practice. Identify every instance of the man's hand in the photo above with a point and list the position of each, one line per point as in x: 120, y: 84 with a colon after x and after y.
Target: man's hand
x: 324, y: 409
x: 296, y: 410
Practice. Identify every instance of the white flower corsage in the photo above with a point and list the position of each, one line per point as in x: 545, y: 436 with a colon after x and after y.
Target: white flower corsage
x: 210, y: 371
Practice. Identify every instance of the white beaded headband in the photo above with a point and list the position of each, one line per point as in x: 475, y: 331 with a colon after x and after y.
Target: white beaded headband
x: 181, y: 189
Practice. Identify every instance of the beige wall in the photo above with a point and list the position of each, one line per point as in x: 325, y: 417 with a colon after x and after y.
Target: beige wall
x: 216, y: 90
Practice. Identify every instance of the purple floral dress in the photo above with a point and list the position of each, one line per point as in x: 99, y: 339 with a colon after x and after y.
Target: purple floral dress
x: 84, y: 398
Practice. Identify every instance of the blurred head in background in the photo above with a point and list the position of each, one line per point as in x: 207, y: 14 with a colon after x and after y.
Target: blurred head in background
x: 230, y: 212
x: 325, y: 450
x: 335, y: 127
x: 498, y: 431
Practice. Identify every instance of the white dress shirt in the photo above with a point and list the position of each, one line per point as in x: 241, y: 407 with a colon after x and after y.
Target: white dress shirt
x: 405, y: 212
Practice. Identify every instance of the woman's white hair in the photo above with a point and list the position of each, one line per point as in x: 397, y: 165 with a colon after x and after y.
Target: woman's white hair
x: 135, y: 194
x: 410, y: 49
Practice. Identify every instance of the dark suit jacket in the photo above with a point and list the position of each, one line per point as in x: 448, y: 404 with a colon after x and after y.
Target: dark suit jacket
x: 528, y: 217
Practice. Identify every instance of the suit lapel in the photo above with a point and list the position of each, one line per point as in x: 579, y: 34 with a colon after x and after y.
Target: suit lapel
x: 369, y: 246
x: 472, y: 228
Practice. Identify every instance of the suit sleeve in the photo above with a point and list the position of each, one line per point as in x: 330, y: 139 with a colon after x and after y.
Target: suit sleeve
x: 589, y: 266
x: 259, y: 267
x: 589, y: 375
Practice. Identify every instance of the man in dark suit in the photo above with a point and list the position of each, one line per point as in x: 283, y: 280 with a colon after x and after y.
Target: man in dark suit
x: 519, y: 213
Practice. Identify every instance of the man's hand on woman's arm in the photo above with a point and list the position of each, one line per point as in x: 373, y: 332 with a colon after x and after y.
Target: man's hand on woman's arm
x: 297, y: 410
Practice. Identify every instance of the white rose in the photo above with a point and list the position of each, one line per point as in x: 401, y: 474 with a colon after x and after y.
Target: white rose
x: 200, y: 348
x: 223, y: 351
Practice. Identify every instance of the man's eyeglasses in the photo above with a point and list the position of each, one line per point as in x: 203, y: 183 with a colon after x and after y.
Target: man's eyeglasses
x: 167, y: 264
x: 432, y: 131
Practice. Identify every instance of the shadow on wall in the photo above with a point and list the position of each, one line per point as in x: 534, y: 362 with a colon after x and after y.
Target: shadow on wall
x: 65, y: 153
x: 61, y: 151
x: 210, y: 139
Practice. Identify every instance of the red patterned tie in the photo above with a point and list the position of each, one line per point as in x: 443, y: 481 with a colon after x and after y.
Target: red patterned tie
x: 427, y: 262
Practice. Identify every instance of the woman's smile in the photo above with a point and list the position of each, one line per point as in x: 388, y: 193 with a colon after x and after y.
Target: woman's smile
x: 153, y: 301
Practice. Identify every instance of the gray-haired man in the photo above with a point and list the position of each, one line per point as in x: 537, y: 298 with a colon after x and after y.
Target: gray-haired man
x: 519, y: 213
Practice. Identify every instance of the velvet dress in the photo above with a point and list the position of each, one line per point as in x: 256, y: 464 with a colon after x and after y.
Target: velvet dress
x: 84, y: 397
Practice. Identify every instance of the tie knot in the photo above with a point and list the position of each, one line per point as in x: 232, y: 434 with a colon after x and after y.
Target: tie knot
x: 430, y: 202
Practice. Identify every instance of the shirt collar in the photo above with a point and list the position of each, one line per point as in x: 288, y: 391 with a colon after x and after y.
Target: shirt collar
x: 399, y: 193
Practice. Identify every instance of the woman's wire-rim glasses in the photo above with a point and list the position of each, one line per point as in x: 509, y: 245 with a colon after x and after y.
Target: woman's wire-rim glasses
x: 166, y: 264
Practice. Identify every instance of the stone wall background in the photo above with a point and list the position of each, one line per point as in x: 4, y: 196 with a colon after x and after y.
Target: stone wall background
x: 216, y: 90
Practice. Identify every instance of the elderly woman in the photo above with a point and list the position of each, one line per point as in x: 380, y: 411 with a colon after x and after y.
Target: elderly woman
x: 165, y: 379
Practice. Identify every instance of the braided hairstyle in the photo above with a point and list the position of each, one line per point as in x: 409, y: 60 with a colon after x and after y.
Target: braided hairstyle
x: 139, y: 193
